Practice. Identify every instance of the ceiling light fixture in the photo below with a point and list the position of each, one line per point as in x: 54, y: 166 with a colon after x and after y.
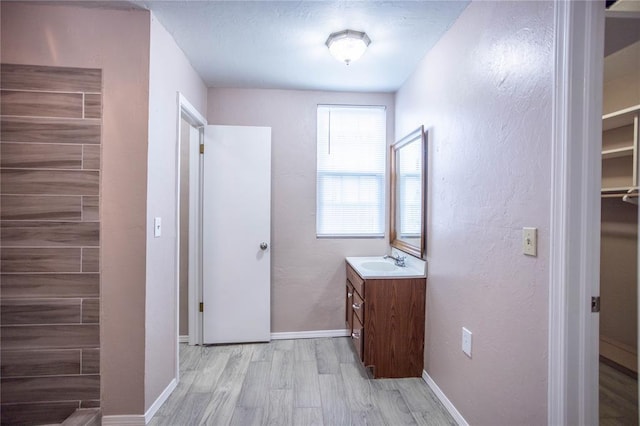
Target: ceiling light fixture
x: 347, y: 45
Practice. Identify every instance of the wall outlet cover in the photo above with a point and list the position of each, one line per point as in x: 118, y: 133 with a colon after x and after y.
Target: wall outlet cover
x: 157, y: 227
x: 466, y: 341
x: 530, y: 241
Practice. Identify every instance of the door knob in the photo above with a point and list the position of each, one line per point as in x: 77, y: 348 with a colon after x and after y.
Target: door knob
x: 263, y: 246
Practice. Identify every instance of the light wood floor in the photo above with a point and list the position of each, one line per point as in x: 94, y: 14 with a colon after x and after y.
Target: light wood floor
x: 618, y: 397
x: 292, y: 382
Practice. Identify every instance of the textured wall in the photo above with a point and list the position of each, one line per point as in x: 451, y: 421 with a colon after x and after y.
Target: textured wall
x: 307, y: 274
x: 49, y: 298
x: 170, y: 72
x: 116, y: 41
x: 484, y: 92
x: 619, y: 272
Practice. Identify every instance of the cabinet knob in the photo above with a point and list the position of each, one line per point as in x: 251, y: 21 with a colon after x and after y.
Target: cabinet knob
x: 356, y: 306
x: 263, y: 246
x: 355, y: 334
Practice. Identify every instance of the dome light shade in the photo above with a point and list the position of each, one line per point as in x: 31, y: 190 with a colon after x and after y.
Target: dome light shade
x: 347, y: 45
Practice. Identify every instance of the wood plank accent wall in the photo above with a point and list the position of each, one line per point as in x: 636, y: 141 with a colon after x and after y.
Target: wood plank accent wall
x: 50, y: 135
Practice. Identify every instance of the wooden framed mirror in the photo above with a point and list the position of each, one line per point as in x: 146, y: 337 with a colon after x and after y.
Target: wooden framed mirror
x: 408, y: 193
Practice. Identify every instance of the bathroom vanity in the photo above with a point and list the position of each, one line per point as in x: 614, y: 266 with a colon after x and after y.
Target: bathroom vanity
x: 385, y: 313
x: 385, y: 299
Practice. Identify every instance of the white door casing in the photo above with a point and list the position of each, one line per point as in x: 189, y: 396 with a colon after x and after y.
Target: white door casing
x: 196, y: 137
x: 575, y: 213
x: 236, y: 220
x: 187, y: 111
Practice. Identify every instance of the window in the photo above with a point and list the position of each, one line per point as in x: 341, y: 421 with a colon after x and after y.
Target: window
x: 351, y: 171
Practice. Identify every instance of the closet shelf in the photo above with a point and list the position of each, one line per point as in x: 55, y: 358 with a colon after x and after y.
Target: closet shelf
x: 619, y: 191
x: 621, y: 118
x: 625, y: 151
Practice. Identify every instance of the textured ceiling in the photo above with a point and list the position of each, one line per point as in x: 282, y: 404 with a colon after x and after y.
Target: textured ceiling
x: 280, y: 44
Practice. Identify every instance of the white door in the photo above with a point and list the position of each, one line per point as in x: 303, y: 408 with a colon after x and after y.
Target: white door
x: 236, y: 231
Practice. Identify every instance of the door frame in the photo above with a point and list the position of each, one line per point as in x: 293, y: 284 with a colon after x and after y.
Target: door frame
x: 575, y: 212
x: 192, y: 115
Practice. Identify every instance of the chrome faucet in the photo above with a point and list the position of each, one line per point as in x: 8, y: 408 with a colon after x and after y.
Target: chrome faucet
x: 399, y: 260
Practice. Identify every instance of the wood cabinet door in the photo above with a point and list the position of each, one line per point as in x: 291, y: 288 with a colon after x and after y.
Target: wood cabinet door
x: 395, y: 327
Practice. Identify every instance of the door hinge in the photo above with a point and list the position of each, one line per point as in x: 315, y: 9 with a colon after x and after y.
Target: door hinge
x: 201, y: 148
x: 595, y: 304
x: 201, y: 307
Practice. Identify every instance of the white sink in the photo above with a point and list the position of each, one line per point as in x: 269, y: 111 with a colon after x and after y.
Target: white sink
x: 381, y: 268
x: 379, y: 265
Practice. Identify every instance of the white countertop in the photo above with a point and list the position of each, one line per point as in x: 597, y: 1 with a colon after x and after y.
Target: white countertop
x: 416, y: 268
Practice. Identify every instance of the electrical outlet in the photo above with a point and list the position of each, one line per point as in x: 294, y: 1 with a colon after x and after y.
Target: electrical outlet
x: 466, y: 342
x: 530, y: 241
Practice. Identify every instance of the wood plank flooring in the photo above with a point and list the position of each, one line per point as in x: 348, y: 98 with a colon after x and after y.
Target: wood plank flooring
x: 292, y: 382
x: 618, y: 397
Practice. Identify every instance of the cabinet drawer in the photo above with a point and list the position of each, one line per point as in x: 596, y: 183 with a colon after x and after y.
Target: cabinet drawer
x: 356, y: 281
x: 357, y: 337
x: 358, y: 307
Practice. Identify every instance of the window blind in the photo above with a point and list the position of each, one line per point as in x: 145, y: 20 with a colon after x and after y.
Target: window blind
x: 351, y: 161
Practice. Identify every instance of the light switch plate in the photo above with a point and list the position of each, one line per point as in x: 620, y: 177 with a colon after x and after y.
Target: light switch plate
x: 466, y: 341
x: 157, y: 227
x: 530, y: 241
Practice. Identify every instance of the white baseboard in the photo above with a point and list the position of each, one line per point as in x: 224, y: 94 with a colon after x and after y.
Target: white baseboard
x: 141, y: 420
x: 309, y: 334
x: 183, y: 339
x: 444, y: 400
x: 160, y: 400
x: 132, y: 420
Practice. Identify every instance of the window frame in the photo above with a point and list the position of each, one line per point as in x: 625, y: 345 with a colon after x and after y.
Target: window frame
x: 380, y: 177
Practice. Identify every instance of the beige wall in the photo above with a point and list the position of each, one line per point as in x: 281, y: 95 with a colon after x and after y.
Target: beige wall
x: 621, y: 82
x: 484, y: 92
x: 619, y: 272
x: 170, y: 72
x: 307, y: 274
x: 118, y: 43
